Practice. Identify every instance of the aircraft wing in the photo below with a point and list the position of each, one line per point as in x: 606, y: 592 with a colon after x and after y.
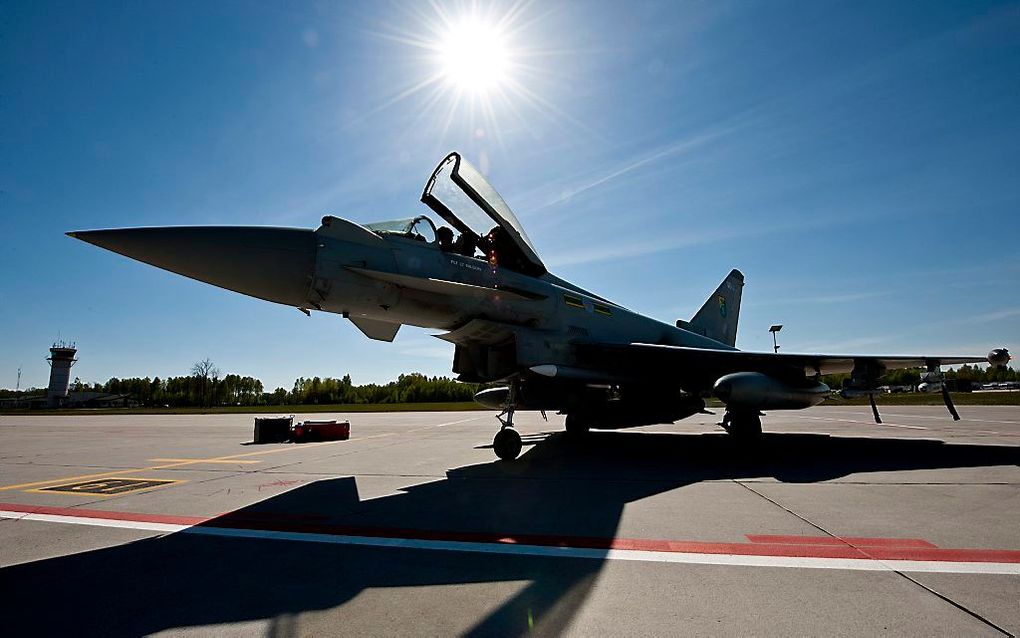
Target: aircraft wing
x: 445, y: 287
x: 700, y: 367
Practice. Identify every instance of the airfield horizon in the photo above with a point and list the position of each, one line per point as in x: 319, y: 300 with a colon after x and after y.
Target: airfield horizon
x: 905, y: 399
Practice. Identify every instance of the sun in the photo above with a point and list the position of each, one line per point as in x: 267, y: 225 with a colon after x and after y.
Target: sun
x: 475, y: 69
x: 473, y: 56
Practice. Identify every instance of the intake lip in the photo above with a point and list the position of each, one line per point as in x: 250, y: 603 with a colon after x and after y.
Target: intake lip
x: 274, y: 264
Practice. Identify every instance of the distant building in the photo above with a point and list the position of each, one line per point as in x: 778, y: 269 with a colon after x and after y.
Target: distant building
x: 58, y: 395
x: 72, y: 400
x: 61, y: 360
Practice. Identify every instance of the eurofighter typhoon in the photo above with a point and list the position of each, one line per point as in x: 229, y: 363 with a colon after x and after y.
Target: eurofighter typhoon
x: 548, y: 344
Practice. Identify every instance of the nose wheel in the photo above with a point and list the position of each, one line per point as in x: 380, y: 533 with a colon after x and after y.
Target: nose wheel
x: 507, y: 442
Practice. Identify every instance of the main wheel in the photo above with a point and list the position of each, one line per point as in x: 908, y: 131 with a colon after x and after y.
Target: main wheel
x: 507, y: 444
x: 575, y: 425
x: 744, y: 425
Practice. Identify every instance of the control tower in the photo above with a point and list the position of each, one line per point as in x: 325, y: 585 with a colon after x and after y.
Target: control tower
x: 61, y: 359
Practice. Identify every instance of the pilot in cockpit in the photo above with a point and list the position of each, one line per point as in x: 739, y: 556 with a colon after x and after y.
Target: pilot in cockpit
x: 444, y: 234
x: 501, y: 250
x: 466, y: 244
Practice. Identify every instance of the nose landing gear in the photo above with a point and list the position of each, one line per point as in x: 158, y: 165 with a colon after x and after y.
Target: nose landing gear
x: 507, y: 442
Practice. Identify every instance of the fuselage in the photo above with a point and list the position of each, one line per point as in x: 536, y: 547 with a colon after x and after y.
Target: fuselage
x: 545, y: 304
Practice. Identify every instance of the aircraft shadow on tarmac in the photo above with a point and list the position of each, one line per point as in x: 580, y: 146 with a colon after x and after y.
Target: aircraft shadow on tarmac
x: 559, y: 487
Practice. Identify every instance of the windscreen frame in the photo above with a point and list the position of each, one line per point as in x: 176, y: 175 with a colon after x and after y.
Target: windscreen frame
x: 512, y: 226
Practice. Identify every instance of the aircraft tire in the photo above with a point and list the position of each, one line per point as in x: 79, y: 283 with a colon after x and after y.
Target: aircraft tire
x: 507, y: 444
x: 744, y: 426
x: 576, y: 427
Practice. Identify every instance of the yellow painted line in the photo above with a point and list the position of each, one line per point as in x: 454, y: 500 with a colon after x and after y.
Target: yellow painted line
x: 376, y: 436
x: 89, y: 494
x: 424, y: 427
x: 205, y: 460
x: 167, y: 466
x: 163, y: 483
x: 218, y: 459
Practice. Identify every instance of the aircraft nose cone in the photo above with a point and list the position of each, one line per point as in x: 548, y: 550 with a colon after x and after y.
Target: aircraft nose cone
x: 274, y: 264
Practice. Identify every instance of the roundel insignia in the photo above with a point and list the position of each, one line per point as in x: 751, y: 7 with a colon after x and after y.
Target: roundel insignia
x: 722, y: 306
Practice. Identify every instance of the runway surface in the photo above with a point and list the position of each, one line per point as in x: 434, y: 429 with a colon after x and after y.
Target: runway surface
x: 129, y: 525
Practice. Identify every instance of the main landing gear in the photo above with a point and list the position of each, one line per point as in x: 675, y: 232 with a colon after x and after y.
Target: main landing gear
x: 507, y: 443
x: 576, y: 425
x: 743, y: 424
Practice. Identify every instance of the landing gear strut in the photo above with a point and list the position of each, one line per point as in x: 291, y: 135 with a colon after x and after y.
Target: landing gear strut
x: 576, y: 427
x: 507, y: 442
x: 744, y: 425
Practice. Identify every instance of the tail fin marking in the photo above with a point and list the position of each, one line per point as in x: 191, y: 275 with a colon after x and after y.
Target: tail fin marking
x: 717, y: 318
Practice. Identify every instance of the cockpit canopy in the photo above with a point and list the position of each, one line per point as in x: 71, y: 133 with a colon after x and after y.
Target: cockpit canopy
x: 420, y: 227
x: 458, y: 193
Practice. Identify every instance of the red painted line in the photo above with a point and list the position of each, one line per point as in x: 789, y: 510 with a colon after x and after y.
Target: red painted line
x: 946, y: 555
x: 856, y: 541
x: 116, y: 516
x: 273, y: 516
x: 788, y: 546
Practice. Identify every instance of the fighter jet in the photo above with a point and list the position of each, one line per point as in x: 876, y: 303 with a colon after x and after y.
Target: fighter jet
x: 546, y: 343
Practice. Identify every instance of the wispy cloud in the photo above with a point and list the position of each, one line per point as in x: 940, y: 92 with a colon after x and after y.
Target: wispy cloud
x: 428, y: 349
x: 996, y: 316
x: 638, y: 247
x: 847, y: 297
x: 623, y: 249
x: 837, y: 347
x: 981, y: 317
x: 630, y: 165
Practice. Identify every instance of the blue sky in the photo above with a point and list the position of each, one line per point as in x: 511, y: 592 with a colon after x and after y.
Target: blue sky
x: 858, y: 161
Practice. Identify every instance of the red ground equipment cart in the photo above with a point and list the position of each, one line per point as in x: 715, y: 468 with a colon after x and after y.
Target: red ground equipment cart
x: 321, y: 431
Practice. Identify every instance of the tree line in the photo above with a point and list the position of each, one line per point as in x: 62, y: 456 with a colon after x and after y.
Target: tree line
x: 408, y: 388
x: 204, y: 388
x: 912, y: 376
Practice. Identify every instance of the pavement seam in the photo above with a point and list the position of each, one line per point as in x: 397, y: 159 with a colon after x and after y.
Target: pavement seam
x: 945, y: 598
x: 959, y: 606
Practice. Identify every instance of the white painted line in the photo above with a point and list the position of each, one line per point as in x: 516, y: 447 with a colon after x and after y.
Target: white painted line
x: 475, y: 418
x: 942, y: 417
x: 897, y: 425
x: 879, y: 425
x: 736, y: 560
x: 94, y: 522
x: 964, y: 419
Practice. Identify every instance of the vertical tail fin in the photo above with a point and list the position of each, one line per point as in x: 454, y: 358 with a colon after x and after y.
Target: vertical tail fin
x: 717, y: 319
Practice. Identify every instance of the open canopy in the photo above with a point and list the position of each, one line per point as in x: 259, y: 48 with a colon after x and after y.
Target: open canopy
x: 458, y: 193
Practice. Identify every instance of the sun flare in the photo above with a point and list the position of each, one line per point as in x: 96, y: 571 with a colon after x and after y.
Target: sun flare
x: 474, y: 57
x: 475, y: 70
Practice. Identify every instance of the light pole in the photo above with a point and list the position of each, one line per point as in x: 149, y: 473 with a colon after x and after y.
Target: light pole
x: 774, y: 330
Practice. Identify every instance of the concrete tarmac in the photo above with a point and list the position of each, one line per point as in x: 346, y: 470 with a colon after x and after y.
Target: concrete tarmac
x: 831, y: 524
